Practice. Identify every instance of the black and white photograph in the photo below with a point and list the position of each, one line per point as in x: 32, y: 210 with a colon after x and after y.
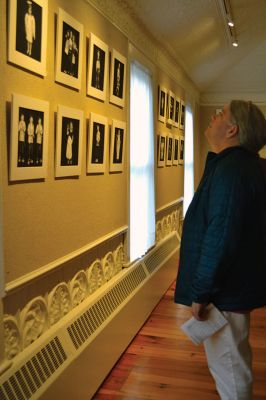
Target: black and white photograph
x: 181, y: 150
x: 162, y: 91
x: 175, y: 149
x: 118, y: 78
x: 69, y: 139
x: 117, y: 146
x: 171, y: 108
x: 28, y: 34
x: 182, y: 115
x: 98, y: 61
x: 169, y: 150
x: 97, y: 144
x: 161, y: 150
x: 29, y: 138
x: 69, y: 48
x: 176, y: 112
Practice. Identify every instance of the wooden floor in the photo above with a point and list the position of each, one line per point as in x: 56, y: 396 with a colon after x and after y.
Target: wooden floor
x: 161, y: 363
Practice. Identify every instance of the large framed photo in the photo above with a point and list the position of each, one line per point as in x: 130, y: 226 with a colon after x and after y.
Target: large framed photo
x: 69, y: 50
x: 97, y: 144
x: 29, y: 138
x: 161, y: 150
x: 118, y: 78
x: 182, y: 115
x: 169, y: 149
x: 162, y: 103
x: 175, y: 149
x: 27, y: 34
x: 97, y: 68
x: 117, y: 148
x: 69, y: 139
x: 171, y: 108
x: 181, y: 150
x: 176, y: 112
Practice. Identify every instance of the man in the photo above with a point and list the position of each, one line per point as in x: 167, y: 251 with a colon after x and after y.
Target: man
x: 222, y: 256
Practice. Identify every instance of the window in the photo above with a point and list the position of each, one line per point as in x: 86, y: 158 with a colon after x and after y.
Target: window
x: 189, y: 156
x: 142, y: 197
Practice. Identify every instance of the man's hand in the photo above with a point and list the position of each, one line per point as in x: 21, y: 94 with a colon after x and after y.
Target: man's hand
x: 200, y: 311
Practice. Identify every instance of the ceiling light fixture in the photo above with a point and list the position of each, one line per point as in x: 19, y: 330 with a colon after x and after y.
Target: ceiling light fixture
x: 229, y: 24
x: 235, y: 43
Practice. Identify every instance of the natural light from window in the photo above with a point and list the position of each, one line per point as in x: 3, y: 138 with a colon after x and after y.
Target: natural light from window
x: 188, y: 162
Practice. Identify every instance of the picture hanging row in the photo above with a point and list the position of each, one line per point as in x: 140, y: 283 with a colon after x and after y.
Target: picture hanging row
x: 28, y: 22
x: 170, y: 150
x: 171, y: 109
x: 29, y: 141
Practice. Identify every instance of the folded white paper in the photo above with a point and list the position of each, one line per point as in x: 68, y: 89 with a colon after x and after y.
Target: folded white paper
x: 198, y: 331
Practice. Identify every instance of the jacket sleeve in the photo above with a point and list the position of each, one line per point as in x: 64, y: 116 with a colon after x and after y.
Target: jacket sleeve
x: 222, y: 239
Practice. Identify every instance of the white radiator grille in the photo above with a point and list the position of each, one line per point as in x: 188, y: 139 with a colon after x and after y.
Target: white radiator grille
x: 34, y: 373
x: 80, y: 330
x: 159, y: 255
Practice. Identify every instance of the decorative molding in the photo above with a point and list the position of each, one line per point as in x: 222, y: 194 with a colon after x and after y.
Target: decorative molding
x: 58, y: 303
x: 218, y: 99
x: 171, y: 204
x: 56, y: 263
x: 12, y: 337
x: 122, y: 15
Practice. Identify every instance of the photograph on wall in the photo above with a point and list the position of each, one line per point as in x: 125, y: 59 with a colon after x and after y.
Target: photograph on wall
x: 171, y: 108
x: 69, y: 48
x: 169, y: 149
x: 118, y: 78
x: 117, y: 146
x: 176, y: 112
x: 181, y: 150
x: 182, y: 115
x: 175, y: 149
x: 27, y: 34
x: 98, y: 61
x: 161, y: 150
x: 69, y: 138
x: 29, y: 138
x: 162, y: 103
x: 97, y: 144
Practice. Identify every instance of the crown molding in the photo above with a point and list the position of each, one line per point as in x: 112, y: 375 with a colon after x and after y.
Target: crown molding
x: 217, y: 98
x: 122, y: 15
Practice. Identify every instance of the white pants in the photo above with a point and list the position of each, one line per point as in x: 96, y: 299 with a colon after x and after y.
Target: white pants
x: 230, y: 359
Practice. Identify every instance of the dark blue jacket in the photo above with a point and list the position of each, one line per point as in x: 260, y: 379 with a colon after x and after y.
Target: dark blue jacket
x: 222, y: 255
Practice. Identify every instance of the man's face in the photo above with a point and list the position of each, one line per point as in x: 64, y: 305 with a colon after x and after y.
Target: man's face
x: 218, y: 127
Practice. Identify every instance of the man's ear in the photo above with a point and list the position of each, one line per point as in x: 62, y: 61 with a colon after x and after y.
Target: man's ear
x: 232, y: 131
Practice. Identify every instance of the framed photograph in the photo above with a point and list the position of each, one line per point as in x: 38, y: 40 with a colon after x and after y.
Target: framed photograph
x: 162, y: 103
x: 175, y: 149
x: 69, y: 50
x: 118, y: 145
x: 176, y: 112
x: 29, y: 138
x: 181, y: 150
x: 97, y: 144
x: 69, y: 139
x: 182, y: 115
x: 161, y: 150
x: 171, y: 108
x: 27, y: 34
x: 118, y: 79
x: 169, y: 149
x: 97, y: 68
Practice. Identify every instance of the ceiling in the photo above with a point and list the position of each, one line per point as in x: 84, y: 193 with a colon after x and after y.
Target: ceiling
x: 195, y: 33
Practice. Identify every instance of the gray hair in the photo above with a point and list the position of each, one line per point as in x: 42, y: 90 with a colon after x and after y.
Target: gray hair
x: 251, y: 124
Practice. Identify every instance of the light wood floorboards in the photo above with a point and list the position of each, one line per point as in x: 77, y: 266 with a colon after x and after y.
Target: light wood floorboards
x: 161, y: 363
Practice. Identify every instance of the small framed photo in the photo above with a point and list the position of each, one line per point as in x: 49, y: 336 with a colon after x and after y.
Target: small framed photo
x: 69, y: 139
x: 29, y: 138
x: 69, y: 50
x: 169, y: 149
x: 175, y: 149
x: 176, y: 112
x: 117, y: 148
x: 97, y: 144
x: 97, y: 68
x: 27, y: 34
x: 118, y: 79
x: 171, y: 108
x: 161, y: 150
x: 181, y: 150
x: 162, y: 103
x: 182, y: 115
